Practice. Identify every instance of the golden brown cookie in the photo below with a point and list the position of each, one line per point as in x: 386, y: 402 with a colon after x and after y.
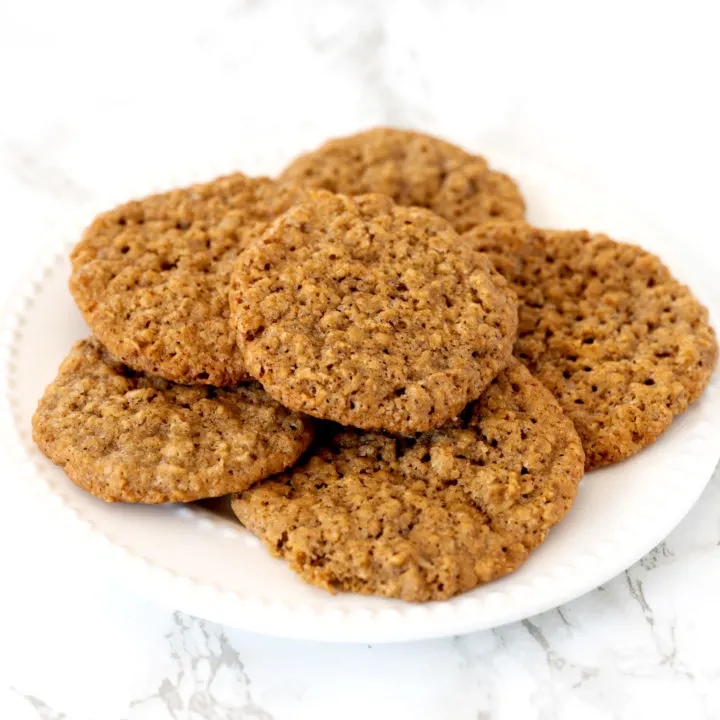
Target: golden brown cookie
x: 370, y: 314
x: 623, y: 346
x: 151, y: 276
x: 429, y: 517
x: 123, y: 435
x: 413, y: 169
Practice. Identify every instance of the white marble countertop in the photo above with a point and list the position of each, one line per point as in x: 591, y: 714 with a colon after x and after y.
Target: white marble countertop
x: 98, y: 95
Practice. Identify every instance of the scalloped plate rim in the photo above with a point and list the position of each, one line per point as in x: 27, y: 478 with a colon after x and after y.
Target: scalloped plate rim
x: 393, y: 621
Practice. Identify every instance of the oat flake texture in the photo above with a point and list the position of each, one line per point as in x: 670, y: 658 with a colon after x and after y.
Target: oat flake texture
x: 622, y: 345
x: 429, y: 517
x: 413, y: 169
x: 124, y: 435
x: 370, y: 314
x: 151, y: 276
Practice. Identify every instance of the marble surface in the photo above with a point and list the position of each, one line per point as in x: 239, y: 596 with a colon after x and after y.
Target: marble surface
x: 101, y: 98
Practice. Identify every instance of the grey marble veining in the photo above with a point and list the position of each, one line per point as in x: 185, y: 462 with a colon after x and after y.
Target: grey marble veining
x: 203, y: 659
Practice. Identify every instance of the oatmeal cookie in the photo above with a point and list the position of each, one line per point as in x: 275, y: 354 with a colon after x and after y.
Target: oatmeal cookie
x: 622, y: 345
x: 429, y: 517
x: 128, y: 436
x: 151, y: 276
x: 370, y: 314
x: 413, y: 169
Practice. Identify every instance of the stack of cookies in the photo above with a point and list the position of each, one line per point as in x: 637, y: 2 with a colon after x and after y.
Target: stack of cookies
x: 397, y: 379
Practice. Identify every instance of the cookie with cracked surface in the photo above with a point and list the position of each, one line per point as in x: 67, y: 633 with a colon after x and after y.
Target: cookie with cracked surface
x: 413, y: 169
x: 429, y: 517
x: 127, y: 436
x: 151, y: 276
x: 604, y: 325
x: 370, y: 314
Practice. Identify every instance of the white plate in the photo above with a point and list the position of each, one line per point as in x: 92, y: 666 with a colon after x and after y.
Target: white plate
x: 205, y: 564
